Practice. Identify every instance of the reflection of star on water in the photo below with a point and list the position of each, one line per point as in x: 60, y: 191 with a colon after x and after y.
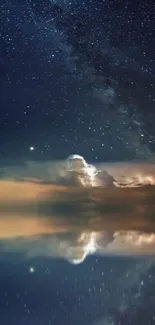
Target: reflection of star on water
x: 31, y: 269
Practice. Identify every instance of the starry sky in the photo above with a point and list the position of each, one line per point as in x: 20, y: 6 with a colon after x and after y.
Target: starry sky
x: 77, y: 77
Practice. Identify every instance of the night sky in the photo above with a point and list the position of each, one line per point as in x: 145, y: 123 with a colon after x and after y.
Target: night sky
x: 77, y: 77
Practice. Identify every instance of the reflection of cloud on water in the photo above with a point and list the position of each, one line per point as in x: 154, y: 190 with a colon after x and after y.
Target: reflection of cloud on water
x: 61, y: 210
x: 75, y: 247
x: 72, y: 209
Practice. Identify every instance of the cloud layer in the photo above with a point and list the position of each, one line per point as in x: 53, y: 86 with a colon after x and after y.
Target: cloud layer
x: 39, y: 215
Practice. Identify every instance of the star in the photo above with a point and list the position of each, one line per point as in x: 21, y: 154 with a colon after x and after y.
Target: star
x: 31, y: 148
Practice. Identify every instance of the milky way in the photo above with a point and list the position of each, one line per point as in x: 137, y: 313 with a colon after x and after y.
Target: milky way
x: 85, y: 86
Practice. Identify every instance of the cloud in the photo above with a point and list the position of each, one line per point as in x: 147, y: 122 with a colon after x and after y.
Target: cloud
x: 39, y: 215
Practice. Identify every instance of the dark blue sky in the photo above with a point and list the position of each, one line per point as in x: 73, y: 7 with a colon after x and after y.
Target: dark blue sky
x: 77, y: 78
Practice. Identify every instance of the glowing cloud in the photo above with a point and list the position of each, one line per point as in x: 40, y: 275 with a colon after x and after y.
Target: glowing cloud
x: 71, y: 209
